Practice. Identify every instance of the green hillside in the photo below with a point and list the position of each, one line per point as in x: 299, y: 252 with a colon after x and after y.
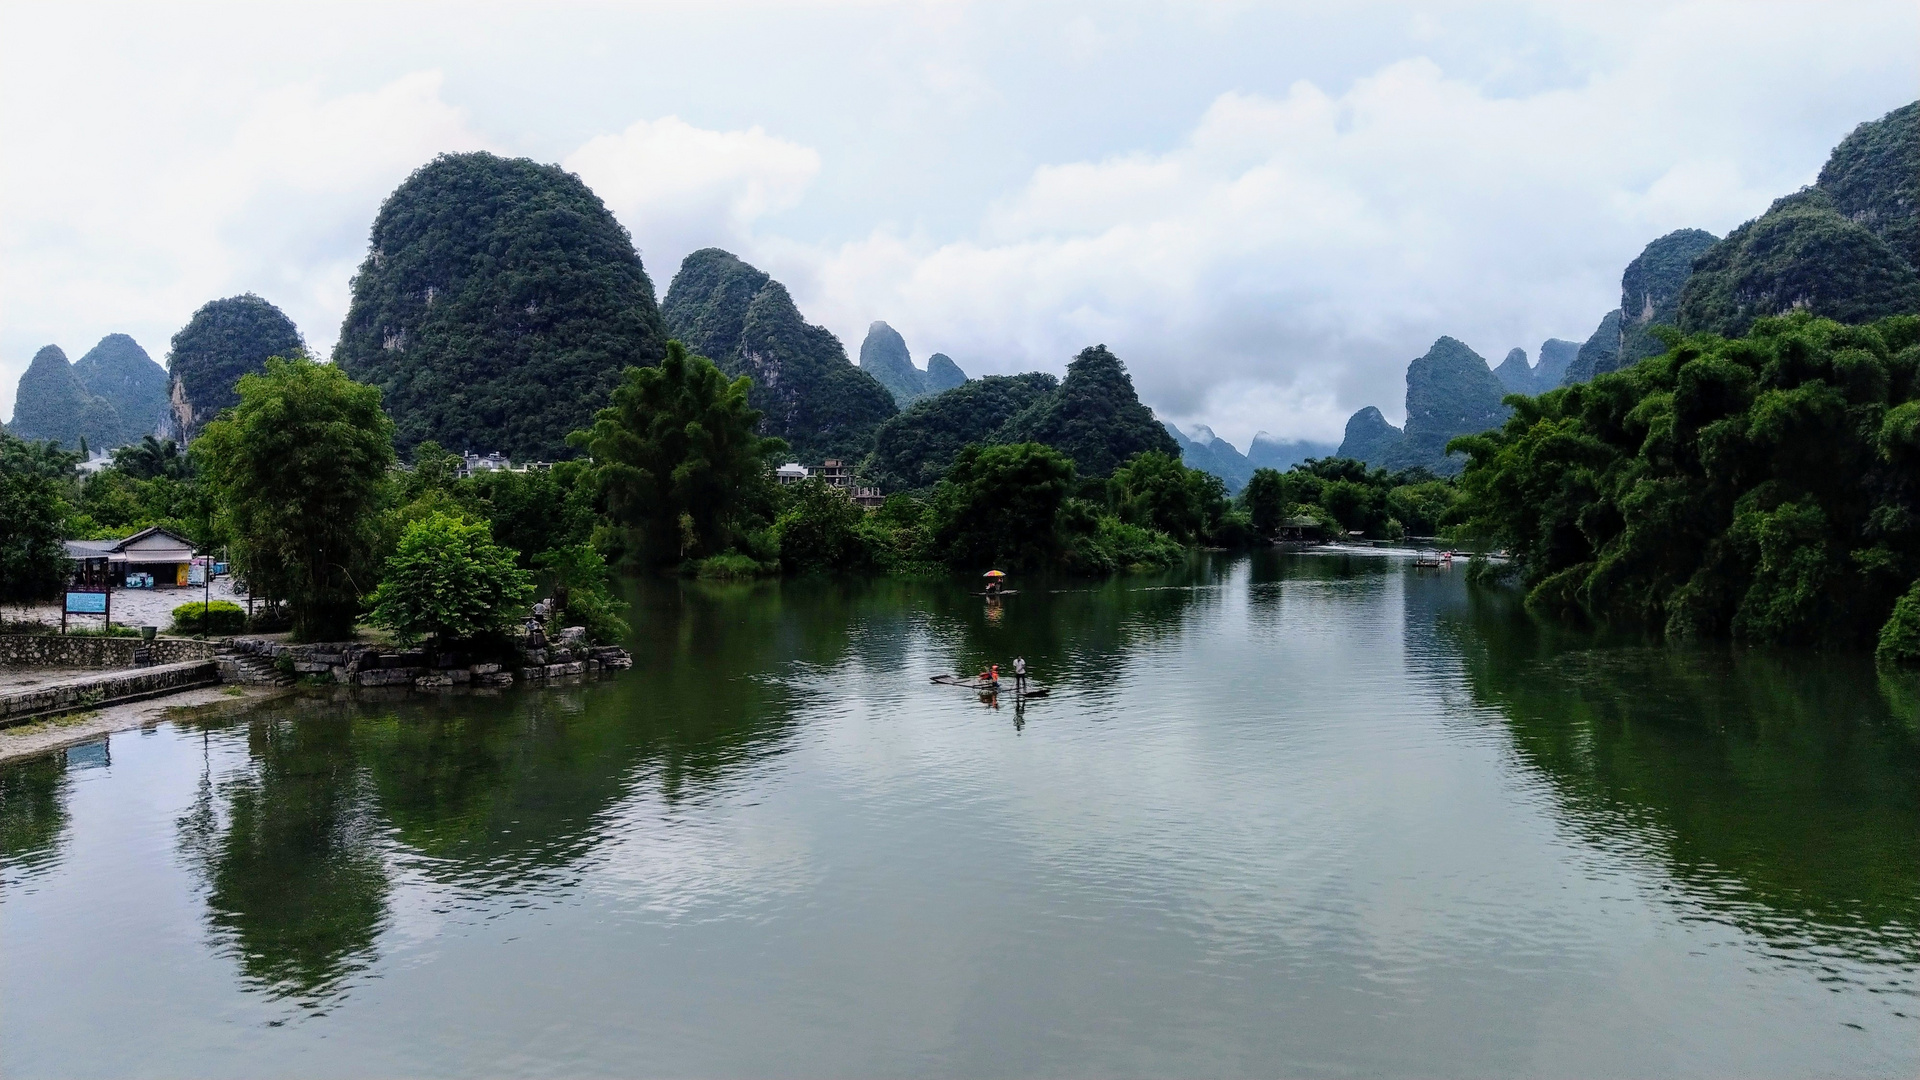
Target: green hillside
x: 120, y: 371
x: 497, y: 305
x: 224, y: 340
x: 52, y: 404
x: 1094, y: 417
x: 747, y: 324
x: 913, y: 450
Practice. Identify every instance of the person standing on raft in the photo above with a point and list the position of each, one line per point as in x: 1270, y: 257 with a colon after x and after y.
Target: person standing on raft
x: 1020, y: 674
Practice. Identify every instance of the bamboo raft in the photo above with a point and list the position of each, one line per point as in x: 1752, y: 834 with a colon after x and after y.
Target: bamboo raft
x: 986, y: 686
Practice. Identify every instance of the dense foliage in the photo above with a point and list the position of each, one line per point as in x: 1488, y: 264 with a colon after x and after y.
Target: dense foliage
x: 224, y: 340
x: 803, y: 385
x: 1801, y: 255
x: 1762, y: 487
x: 819, y: 531
x: 1000, y: 506
x: 913, y: 450
x: 677, y: 460
x: 1094, y: 417
x: 34, y: 478
x: 1873, y: 178
x: 498, y: 303
x: 1156, y: 491
x: 1346, y: 496
x: 298, y: 471
x: 449, y: 582
x: 1650, y: 294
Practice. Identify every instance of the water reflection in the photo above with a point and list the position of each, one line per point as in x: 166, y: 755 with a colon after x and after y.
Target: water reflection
x: 288, y: 848
x: 1779, y: 792
x: 33, y: 814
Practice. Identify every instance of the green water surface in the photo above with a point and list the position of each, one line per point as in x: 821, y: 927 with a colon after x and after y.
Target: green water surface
x: 1289, y: 814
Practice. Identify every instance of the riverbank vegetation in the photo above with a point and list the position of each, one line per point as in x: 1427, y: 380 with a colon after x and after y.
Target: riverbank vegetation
x: 1764, y: 488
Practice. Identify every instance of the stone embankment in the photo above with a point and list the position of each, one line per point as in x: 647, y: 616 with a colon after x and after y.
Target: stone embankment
x: 67, y: 651
x: 353, y: 663
x: 95, y: 690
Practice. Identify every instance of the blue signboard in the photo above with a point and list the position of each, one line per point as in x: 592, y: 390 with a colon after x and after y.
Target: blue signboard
x: 87, y: 603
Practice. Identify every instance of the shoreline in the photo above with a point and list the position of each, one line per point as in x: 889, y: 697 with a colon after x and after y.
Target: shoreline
x: 43, y: 736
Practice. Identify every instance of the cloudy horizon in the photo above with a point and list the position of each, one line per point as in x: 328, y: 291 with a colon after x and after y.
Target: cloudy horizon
x: 1265, y: 211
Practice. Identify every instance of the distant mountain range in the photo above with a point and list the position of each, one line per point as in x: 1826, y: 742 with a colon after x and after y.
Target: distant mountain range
x: 113, y: 396
x: 1846, y: 248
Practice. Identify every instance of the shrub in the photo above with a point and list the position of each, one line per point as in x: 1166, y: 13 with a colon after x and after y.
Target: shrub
x: 449, y: 581
x: 1900, y: 637
x: 218, y: 617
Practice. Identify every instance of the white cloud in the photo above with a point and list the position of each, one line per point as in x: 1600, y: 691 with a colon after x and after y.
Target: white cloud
x: 1280, y: 267
x: 280, y: 206
x: 678, y: 188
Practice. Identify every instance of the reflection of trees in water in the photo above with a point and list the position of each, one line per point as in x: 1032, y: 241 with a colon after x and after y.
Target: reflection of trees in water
x: 288, y: 847
x: 33, y: 812
x: 1779, y: 791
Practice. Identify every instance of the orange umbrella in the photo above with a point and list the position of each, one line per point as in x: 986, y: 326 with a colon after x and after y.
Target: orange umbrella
x: 993, y: 573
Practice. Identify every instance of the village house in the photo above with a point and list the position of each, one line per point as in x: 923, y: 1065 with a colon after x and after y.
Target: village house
x: 166, y: 555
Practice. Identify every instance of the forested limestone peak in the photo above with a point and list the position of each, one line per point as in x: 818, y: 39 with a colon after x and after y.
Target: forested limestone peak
x: 1801, y: 255
x: 1095, y: 417
x: 120, y: 371
x: 1450, y: 391
x: 1370, y: 438
x: 1515, y: 373
x: 943, y: 373
x: 1556, y: 356
x: 1650, y: 292
x: 1599, y: 355
x: 747, y: 324
x: 913, y: 450
x: 497, y: 305
x: 51, y: 403
x: 884, y: 355
x: 1873, y: 178
x: 224, y: 340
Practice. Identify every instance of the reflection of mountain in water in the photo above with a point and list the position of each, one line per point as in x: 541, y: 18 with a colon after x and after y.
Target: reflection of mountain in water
x: 1779, y: 792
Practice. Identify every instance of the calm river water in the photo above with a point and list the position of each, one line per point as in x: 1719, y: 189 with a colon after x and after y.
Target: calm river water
x: 1309, y: 815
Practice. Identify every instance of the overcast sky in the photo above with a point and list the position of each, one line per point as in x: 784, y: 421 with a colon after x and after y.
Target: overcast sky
x: 1265, y: 210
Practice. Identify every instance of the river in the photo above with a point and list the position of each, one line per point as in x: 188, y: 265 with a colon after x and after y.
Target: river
x: 1314, y: 814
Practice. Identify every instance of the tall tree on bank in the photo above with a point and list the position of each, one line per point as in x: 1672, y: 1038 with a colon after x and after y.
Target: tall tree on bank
x: 224, y: 340
x: 298, y: 471
x: 498, y: 303
x: 33, y: 509
x: 678, y: 460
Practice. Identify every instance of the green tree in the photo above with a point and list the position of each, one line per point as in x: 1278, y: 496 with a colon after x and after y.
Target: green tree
x: 1761, y: 487
x: 450, y: 582
x: 1156, y: 491
x: 1000, y: 507
x: 1095, y: 417
x: 676, y: 459
x: 820, y: 530
x: 299, y: 471
x: 1267, y: 501
x: 151, y: 457
x: 583, y: 591
x: 33, y: 510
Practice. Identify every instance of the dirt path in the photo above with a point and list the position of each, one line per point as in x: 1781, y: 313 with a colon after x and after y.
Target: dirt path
x: 40, y: 736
